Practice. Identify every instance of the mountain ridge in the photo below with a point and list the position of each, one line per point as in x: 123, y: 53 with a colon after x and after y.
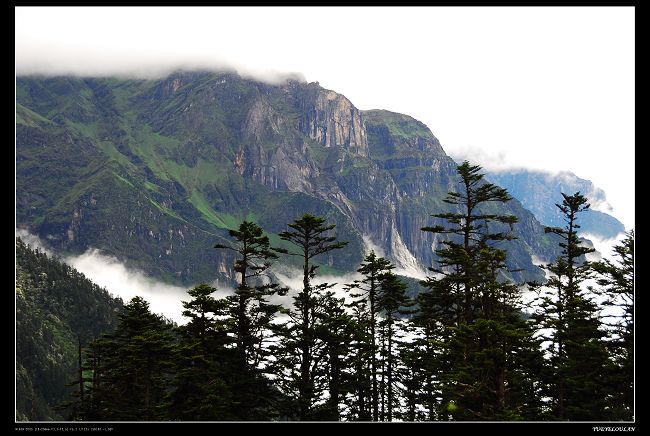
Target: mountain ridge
x: 539, y: 191
x: 154, y: 172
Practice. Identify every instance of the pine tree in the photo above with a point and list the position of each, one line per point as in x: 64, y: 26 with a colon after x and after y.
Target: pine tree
x: 436, y: 314
x: 472, y: 315
x: 360, y: 402
x: 469, y: 224
x: 301, y: 348
x: 577, y: 358
x: 335, y: 328
x: 251, y: 309
x: 252, y: 318
x: 391, y: 301
x: 617, y: 283
x: 131, y: 367
x: 366, y: 290
x: 204, y: 360
x: 411, y: 375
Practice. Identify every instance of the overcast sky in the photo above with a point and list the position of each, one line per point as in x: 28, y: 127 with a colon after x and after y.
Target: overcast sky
x: 545, y: 88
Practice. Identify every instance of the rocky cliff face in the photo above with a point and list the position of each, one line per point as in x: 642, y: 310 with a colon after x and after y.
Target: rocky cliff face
x: 155, y: 172
x: 332, y: 121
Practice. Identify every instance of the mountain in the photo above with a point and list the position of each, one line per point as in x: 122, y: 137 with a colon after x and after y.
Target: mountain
x: 539, y: 191
x: 56, y: 306
x: 154, y: 172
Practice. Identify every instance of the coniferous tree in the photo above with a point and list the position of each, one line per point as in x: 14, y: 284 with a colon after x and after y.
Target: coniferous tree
x: 391, y: 301
x: 437, y: 313
x: 411, y: 375
x: 301, y: 349
x: 577, y: 358
x: 366, y: 290
x: 336, y: 329
x: 251, y: 311
x: 616, y: 280
x: 204, y: 361
x: 468, y: 228
x: 97, y: 396
x: 360, y: 402
x: 131, y: 368
x: 252, y: 318
x: 471, y: 314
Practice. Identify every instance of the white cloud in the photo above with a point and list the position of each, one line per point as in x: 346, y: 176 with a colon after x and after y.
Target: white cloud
x: 108, y: 272
x: 122, y: 281
x: 604, y: 247
x: 33, y: 241
x: 371, y: 246
x: 490, y: 161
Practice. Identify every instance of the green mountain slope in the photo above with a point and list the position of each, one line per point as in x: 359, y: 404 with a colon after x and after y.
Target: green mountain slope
x: 154, y: 172
x: 56, y: 306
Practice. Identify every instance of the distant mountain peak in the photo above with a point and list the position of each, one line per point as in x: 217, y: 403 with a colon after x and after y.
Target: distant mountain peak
x: 539, y: 191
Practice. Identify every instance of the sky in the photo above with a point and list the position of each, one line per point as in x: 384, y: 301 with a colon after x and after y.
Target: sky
x: 541, y: 88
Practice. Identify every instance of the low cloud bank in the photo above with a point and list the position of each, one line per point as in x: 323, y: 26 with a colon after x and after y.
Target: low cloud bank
x: 122, y: 281
x: 604, y: 247
x: 109, y: 272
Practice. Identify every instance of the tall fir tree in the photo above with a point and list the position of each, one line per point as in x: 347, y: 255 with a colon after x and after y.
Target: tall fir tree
x: 392, y: 302
x: 204, y: 361
x: 471, y: 313
x: 301, y: 349
x: 577, y: 359
x: 359, y: 356
x: 469, y: 233
x: 253, y: 318
x: 431, y: 325
x: 131, y: 368
x: 616, y: 281
x: 250, y: 307
x: 367, y: 291
x: 335, y: 328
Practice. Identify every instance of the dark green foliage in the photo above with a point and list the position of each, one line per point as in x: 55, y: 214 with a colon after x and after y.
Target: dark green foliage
x: 200, y: 393
x: 202, y: 360
x: 470, y: 319
x: 617, y: 283
x: 360, y: 354
x: 470, y: 227
x: 301, y: 348
x: 131, y: 368
x: 367, y: 308
x: 56, y: 307
x: 336, y: 329
x: 251, y: 318
x: 391, y: 302
x: 250, y: 309
x: 380, y: 293
x: 577, y: 358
